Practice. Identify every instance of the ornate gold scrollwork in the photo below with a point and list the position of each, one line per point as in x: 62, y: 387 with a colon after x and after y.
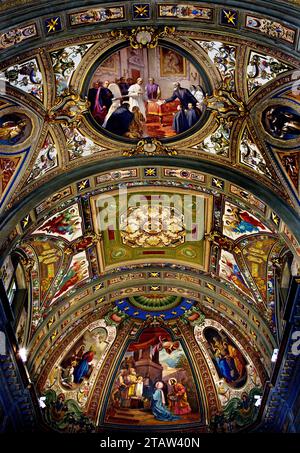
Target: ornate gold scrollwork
x: 143, y: 36
x: 227, y: 105
x: 68, y: 109
x: 150, y: 147
x: 222, y: 241
x: 87, y: 240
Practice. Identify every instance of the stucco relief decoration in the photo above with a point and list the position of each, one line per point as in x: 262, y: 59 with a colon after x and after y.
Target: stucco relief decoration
x: 69, y: 109
x: 144, y: 36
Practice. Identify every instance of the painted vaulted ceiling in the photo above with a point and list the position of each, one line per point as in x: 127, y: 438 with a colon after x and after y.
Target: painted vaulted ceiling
x: 155, y: 298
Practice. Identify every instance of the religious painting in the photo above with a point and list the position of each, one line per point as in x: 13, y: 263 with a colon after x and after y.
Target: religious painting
x: 8, y: 169
x: 172, y: 63
x: 237, y: 222
x: 77, y: 368
x: 66, y: 224
x: 230, y: 271
x: 139, y: 93
x: 282, y: 122
x: 77, y: 273
x: 228, y: 360
x: 71, y: 379
x: 291, y: 164
x: 15, y: 128
x: 232, y: 369
x: 111, y: 63
x: 154, y: 383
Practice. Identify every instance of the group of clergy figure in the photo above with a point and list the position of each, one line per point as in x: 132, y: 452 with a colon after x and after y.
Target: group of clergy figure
x: 120, y: 108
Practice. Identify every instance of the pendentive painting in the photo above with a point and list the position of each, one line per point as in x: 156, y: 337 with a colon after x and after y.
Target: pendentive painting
x: 74, y: 374
x: 138, y: 93
x: 282, y: 122
x: 77, y: 366
x: 154, y: 384
x: 228, y: 360
x: 15, y: 128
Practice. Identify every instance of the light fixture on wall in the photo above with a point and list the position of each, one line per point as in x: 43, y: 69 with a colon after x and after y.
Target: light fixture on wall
x: 42, y: 403
x: 258, y: 401
x: 23, y: 353
x: 275, y: 355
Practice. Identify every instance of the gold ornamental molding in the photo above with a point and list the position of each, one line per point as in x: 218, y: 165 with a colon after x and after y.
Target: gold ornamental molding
x: 68, y: 109
x: 226, y: 104
x: 140, y: 37
x: 150, y: 147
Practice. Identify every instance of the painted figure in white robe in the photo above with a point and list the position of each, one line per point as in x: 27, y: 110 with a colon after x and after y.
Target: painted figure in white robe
x: 136, y: 96
x: 139, y: 387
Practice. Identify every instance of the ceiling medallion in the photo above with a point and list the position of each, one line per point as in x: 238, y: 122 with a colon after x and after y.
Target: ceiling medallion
x: 140, y: 37
x: 150, y: 147
x: 151, y: 93
x: 152, y: 226
x: 68, y: 109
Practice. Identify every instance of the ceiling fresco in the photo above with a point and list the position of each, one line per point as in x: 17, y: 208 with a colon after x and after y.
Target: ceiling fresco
x: 152, y: 229
x: 149, y: 199
x: 164, y: 280
x: 220, y: 121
